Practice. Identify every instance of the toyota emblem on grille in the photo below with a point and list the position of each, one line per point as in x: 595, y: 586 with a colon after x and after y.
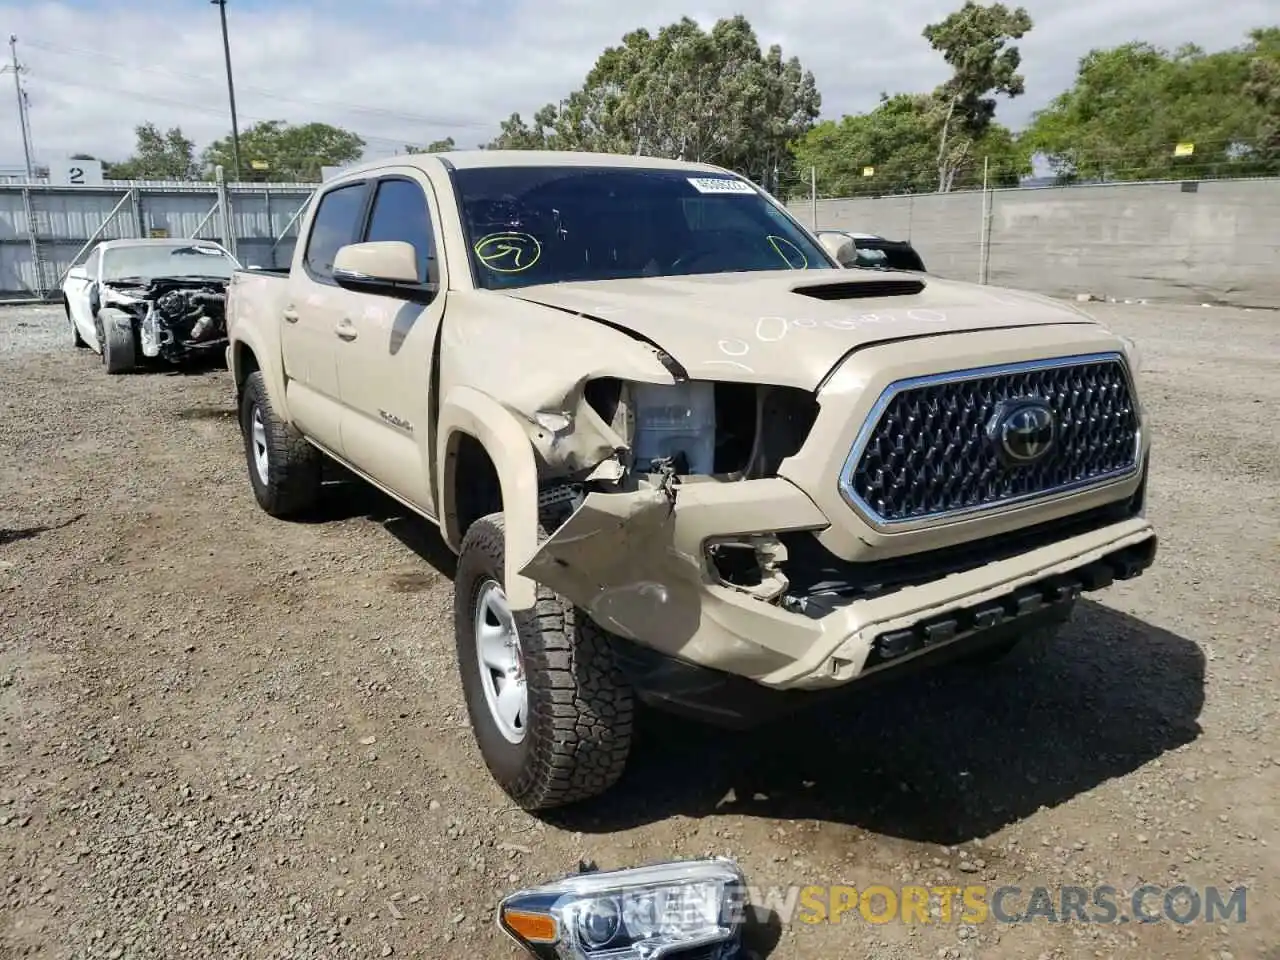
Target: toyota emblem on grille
x: 1023, y: 430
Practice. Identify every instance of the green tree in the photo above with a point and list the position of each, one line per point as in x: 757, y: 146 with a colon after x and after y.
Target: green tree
x: 1132, y: 104
x: 515, y: 134
x: 916, y: 142
x: 893, y: 149
x: 711, y: 96
x: 974, y: 41
x: 1263, y: 89
x: 157, y: 156
x: 435, y: 146
x: 274, y: 150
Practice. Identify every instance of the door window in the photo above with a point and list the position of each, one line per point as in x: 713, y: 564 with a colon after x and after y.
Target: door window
x: 400, y: 213
x: 333, y: 227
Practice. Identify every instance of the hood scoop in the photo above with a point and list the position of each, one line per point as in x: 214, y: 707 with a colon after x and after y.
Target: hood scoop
x: 860, y: 289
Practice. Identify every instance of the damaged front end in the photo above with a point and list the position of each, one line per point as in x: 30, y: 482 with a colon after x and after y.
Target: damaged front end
x: 690, y: 537
x: 645, y: 489
x: 176, y: 318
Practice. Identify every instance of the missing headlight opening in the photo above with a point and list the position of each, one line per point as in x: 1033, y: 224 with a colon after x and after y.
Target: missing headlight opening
x: 734, y: 431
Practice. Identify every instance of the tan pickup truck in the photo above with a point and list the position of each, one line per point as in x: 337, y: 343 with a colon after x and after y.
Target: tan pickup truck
x: 684, y: 458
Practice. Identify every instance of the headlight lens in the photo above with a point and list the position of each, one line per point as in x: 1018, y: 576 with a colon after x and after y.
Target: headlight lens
x: 630, y: 914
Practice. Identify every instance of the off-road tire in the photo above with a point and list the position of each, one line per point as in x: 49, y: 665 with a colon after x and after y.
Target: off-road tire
x: 294, y: 467
x: 78, y: 340
x: 580, y: 712
x: 119, y: 346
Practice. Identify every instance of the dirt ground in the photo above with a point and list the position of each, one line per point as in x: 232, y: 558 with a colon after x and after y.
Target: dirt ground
x: 224, y: 736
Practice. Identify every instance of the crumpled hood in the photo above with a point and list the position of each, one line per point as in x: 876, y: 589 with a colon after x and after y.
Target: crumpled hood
x: 115, y: 295
x: 755, y: 327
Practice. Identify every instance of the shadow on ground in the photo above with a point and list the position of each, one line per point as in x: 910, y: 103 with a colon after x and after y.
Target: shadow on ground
x: 761, y: 932
x: 940, y: 757
x: 347, y: 496
x: 198, y: 365
x: 9, y: 535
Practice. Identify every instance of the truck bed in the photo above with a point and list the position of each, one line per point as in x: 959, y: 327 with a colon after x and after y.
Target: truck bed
x: 256, y: 292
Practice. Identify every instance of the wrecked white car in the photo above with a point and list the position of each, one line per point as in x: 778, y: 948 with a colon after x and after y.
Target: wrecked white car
x: 684, y: 457
x: 133, y: 300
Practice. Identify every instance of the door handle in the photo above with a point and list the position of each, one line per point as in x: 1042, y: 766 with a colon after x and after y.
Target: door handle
x: 345, y: 330
x: 291, y: 315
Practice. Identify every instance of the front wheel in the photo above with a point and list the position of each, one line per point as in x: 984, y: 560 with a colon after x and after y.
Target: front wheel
x: 285, y: 471
x: 119, y: 347
x: 551, y: 713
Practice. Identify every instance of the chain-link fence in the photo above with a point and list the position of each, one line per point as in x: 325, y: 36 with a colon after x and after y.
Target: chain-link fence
x: 45, y: 229
x: 851, y: 175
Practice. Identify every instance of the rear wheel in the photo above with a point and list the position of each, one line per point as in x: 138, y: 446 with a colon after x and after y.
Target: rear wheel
x: 551, y: 713
x: 284, y: 470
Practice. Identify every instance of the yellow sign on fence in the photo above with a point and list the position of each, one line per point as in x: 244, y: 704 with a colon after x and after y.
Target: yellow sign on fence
x: 1184, y: 149
x: 868, y: 171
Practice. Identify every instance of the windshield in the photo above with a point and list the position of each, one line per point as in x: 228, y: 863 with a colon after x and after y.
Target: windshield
x: 166, y: 260
x: 529, y: 225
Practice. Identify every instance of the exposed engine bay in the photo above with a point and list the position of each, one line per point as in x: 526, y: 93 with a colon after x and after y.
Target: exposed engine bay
x: 176, y: 316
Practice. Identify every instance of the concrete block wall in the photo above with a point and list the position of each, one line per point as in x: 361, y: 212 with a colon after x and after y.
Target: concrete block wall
x: 1205, y: 242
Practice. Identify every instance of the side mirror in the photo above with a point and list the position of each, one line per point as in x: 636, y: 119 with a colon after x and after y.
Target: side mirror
x: 381, y: 263
x: 839, y: 246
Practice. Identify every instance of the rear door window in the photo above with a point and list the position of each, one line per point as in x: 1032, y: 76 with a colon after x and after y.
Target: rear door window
x: 333, y: 227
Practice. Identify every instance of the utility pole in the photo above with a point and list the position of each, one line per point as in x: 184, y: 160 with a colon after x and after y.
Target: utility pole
x: 813, y: 196
x: 231, y: 92
x: 18, y: 70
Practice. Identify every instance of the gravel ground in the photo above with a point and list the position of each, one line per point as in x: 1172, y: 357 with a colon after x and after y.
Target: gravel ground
x: 223, y: 736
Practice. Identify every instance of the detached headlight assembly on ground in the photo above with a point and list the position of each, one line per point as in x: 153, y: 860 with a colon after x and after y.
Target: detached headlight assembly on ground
x: 667, y: 910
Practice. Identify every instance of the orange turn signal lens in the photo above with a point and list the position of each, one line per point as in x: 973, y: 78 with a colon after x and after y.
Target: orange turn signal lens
x: 531, y: 927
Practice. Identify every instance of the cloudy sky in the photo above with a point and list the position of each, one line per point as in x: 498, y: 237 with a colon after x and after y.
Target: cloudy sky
x: 400, y: 71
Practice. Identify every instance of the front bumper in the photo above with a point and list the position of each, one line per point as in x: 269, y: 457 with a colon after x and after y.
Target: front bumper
x: 639, y: 564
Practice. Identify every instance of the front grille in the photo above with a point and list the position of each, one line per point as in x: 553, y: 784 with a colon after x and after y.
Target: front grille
x: 926, y: 452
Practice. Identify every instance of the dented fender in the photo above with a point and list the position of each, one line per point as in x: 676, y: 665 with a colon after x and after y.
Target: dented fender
x: 636, y: 561
x: 466, y: 410
x: 498, y: 346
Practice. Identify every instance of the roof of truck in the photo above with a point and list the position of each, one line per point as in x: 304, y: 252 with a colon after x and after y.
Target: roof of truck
x: 469, y: 159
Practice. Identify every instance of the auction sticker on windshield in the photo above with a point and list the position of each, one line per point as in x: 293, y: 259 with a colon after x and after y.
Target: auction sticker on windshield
x: 720, y: 185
